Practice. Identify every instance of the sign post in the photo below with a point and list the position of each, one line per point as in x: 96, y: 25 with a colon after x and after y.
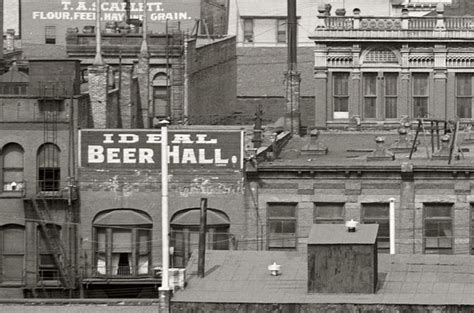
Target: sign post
x: 164, y: 291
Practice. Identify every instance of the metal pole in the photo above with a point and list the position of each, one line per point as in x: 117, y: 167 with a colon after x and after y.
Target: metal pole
x: 202, y: 238
x: 164, y: 205
x: 164, y: 290
x: 392, y: 225
x: 98, y: 50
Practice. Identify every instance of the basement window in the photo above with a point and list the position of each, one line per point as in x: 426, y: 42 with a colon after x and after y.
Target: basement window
x: 378, y: 213
x: 328, y: 213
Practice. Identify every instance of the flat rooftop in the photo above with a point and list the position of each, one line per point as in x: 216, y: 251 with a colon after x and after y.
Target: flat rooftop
x: 351, y: 148
x: 243, y: 277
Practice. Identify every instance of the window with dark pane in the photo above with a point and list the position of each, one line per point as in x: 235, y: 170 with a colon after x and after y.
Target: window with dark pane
x: 281, y: 219
x: 420, y: 95
x: 341, y: 95
x: 464, y: 95
x: 437, y: 228
x: 370, y: 95
x: 378, y: 213
x: 328, y: 213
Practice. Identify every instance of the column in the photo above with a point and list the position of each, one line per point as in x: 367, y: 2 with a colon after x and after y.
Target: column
x: 355, y: 107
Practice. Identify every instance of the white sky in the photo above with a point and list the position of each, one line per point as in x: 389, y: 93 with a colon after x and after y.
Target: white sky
x: 10, y: 16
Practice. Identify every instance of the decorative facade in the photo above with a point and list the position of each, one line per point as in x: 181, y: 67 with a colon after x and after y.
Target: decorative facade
x: 382, y: 69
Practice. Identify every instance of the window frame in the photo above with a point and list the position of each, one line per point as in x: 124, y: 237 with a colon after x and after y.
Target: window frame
x: 5, y: 254
x: 50, y: 35
x: 340, y: 115
x: 383, y: 246
x: 457, y: 96
x: 381, y: 95
x: 248, y: 25
x: 439, y: 219
x: 292, y: 236
x: 135, y: 253
x: 43, y: 253
x: 281, y: 30
x: 318, y: 219
x: 416, y: 96
x: 7, y: 186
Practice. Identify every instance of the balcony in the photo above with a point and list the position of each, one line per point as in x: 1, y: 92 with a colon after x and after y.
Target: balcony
x: 395, y: 28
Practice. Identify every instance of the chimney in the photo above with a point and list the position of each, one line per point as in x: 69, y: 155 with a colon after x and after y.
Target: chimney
x: 315, y: 146
x: 403, y: 144
x: 98, y: 93
x: 381, y: 153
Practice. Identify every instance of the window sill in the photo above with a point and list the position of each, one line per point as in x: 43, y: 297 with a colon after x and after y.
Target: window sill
x: 12, y: 194
x: 12, y: 284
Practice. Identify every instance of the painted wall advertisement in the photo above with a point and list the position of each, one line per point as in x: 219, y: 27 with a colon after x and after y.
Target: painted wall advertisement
x: 75, y: 10
x: 141, y: 149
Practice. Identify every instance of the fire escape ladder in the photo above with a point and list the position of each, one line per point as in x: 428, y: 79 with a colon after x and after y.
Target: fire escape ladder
x: 52, y: 238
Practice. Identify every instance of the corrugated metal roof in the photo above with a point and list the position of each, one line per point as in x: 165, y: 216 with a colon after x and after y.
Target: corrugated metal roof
x: 333, y: 234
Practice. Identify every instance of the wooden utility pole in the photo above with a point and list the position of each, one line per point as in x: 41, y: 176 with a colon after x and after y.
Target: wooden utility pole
x: 293, y: 78
x: 202, y: 238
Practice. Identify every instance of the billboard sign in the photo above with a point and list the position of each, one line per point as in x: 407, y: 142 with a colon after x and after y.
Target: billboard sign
x: 188, y: 149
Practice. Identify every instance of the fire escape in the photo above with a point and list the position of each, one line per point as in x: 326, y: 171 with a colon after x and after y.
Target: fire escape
x: 56, y: 269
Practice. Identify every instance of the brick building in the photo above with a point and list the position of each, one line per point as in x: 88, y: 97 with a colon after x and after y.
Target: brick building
x: 40, y: 109
x: 121, y: 204
x: 348, y: 175
x: 178, y: 77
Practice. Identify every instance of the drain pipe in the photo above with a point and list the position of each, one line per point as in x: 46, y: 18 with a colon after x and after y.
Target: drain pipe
x: 392, y: 225
x: 202, y: 238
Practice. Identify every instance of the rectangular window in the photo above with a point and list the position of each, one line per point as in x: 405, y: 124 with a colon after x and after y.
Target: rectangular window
x: 49, y: 178
x: 464, y: 95
x: 391, y: 94
x: 420, y: 95
x: 50, y: 35
x: 438, y: 228
x: 341, y: 95
x: 281, y: 225
x: 370, y: 95
x: 47, y: 267
x: 378, y: 213
x: 328, y: 213
x: 13, y: 251
x: 281, y: 30
x: 248, y: 30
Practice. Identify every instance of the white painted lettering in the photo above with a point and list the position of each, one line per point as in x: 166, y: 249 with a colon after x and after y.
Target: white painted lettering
x: 189, y: 156
x: 81, y: 6
x: 113, y: 155
x: 201, y: 138
x: 129, y: 155
x: 182, y: 138
x: 108, y: 138
x: 95, y: 154
x: 128, y: 138
x: 218, y: 157
x: 145, y: 156
x: 153, y: 138
x: 173, y: 154
x: 66, y: 4
x: 202, y: 157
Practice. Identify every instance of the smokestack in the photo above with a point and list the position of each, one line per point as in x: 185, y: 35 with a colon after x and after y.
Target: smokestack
x: 293, y: 79
x: 2, y: 64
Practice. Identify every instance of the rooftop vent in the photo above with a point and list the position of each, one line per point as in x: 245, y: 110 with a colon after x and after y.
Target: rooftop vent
x: 352, y: 226
x: 315, y: 146
x: 275, y: 269
x: 381, y: 153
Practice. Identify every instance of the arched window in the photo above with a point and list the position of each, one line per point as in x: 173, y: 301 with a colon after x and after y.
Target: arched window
x: 122, y: 240
x: 185, y: 233
x: 49, y: 172
x: 161, y: 95
x: 12, y: 167
x: 12, y: 253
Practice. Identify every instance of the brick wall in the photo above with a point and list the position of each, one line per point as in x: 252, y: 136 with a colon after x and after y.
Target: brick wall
x: 141, y: 190
x: 98, y: 93
x: 212, y: 78
x: 359, y: 187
